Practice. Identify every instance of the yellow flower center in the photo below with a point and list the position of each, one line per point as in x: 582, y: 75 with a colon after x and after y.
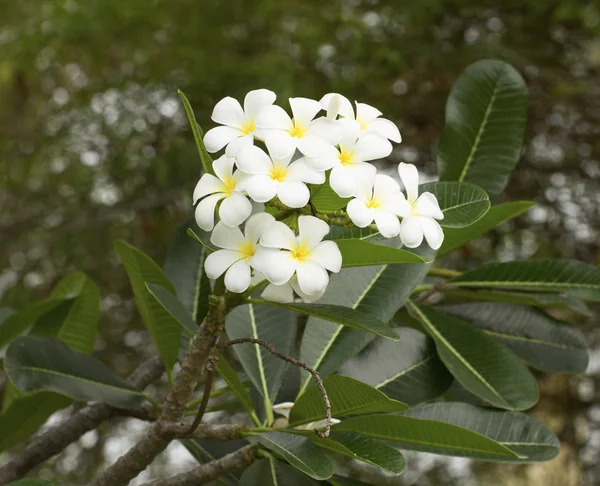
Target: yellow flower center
x: 248, y: 127
x: 373, y: 203
x: 345, y: 158
x: 278, y: 173
x: 229, y: 184
x: 298, y: 130
x: 300, y: 253
x: 363, y: 124
x: 247, y: 250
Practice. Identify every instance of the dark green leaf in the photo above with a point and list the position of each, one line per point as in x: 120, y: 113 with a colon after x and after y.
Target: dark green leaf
x: 336, y: 480
x: 205, y: 159
x: 31, y: 482
x: 342, y: 233
x: 324, y: 199
x: 481, y: 364
x: 362, y: 253
x: 485, y: 124
x: 271, y: 472
x: 233, y: 380
x: 462, y: 203
x: 175, y: 308
x: 205, y: 451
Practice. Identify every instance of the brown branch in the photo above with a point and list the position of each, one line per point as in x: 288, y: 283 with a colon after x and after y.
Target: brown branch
x: 211, y: 369
x: 207, y: 472
x: 60, y: 436
x: 269, y: 347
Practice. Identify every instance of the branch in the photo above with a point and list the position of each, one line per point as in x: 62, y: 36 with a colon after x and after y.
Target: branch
x: 60, y: 436
x: 201, y: 475
x: 295, y: 362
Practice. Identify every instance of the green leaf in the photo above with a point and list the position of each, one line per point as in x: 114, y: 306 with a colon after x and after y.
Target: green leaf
x: 233, y: 380
x: 342, y: 233
x: 345, y: 316
x: 361, y: 253
x: 481, y: 364
x: 184, y: 267
x: 408, y: 370
x: 36, y: 364
x: 523, y: 434
x: 298, y: 451
x: 164, y: 330
x: 205, y: 451
x: 175, y: 308
x: 545, y: 343
x: 427, y: 436
x: 485, y: 124
x: 205, y: 159
x: 271, y: 472
x: 571, y: 276
x: 324, y: 199
x: 31, y: 482
x: 462, y: 203
x: 456, y: 237
x: 336, y: 480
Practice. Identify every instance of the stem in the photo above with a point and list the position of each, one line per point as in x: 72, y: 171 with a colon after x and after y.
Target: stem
x: 443, y: 272
x: 421, y: 288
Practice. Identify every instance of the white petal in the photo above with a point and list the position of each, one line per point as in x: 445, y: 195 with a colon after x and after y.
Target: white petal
x: 313, y: 146
x: 350, y: 132
x: 257, y: 224
x: 208, y: 184
x: 428, y: 205
x: 327, y: 160
x: 205, y: 211
x: 411, y: 233
x: 388, y: 224
x: 280, y: 144
x: 216, y: 263
x: 261, y: 187
x: 344, y: 106
x: 396, y: 204
x: 283, y: 408
x: 237, y: 278
x: 304, y: 110
x: 330, y: 130
x: 311, y: 230
x: 216, y: 138
x: 342, y: 181
x: 385, y: 128
x: 359, y: 213
x: 293, y: 194
x: 235, y: 209
x: 229, y: 112
x: 253, y: 160
x: 328, y: 255
x: 228, y: 237
x: 279, y: 235
x: 256, y: 100
x: 433, y: 232
x: 306, y: 297
x: 223, y: 167
x: 385, y: 185
x: 277, y: 265
x: 274, y: 117
x: 238, y: 144
x: 371, y: 147
x: 409, y: 175
x: 278, y: 293
x: 312, y: 277
x: 300, y: 170
x: 366, y: 113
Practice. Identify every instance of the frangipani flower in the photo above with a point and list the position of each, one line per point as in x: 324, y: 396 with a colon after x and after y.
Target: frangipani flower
x: 228, y: 186
x: 304, y: 255
x: 379, y: 200
x: 283, y: 135
x: 284, y: 293
x: 285, y: 408
x: 239, y: 125
x: 349, y: 163
x: 238, y: 251
x: 269, y: 177
x: 419, y: 219
x: 367, y: 117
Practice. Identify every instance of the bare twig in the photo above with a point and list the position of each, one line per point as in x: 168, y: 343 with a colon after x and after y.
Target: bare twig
x: 269, y: 347
x: 211, y: 368
x: 426, y: 295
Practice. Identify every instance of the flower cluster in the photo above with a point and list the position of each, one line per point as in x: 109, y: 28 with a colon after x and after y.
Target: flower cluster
x: 294, y: 151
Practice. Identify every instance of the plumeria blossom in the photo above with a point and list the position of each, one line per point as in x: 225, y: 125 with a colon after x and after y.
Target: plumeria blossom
x: 349, y: 162
x: 419, y: 218
x: 226, y: 186
x: 285, y: 408
x: 305, y: 255
x: 284, y: 293
x: 269, y: 177
x: 239, y: 125
x: 379, y: 200
x: 366, y: 117
x: 284, y: 134
x: 238, y: 252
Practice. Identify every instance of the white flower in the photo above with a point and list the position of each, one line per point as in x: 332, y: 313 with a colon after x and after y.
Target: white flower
x: 420, y: 218
x: 304, y: 255
x: 283, y: 135
x: 239, y: 127
x: 284, y: 293
x: 238, y: 253
x: 367, y: 117
x: 270, y: 177
x: 228, y: 186
x: 379, y: 200
x: 349, y: 163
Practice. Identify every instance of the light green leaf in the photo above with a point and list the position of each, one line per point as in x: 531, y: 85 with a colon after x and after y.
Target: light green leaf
x: 175, y: 308
x: 408, y: 370
x: 571, y: 276
x: 164, y: 330
x: 482, y: 365
x: 523, y: 434
x: 462, y: 203
x: 362, y: 253
x: 342, y: 233
x: 336, y: 480
x: 205, y: 159
x: 485, y: 124
x: 324, y: 199
x: 456, y: 237
x: 36, y: 364
x: 271, y: 472
x: 298, y: 451
x: 545, y: 343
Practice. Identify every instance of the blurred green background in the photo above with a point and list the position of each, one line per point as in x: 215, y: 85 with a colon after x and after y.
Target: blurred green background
x: 94, y: 146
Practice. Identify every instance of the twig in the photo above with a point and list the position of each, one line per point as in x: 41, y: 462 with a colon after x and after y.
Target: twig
x: 425, y: 295
x: 443, y: 272
x: 269, y: 347
x: 211, y: 368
